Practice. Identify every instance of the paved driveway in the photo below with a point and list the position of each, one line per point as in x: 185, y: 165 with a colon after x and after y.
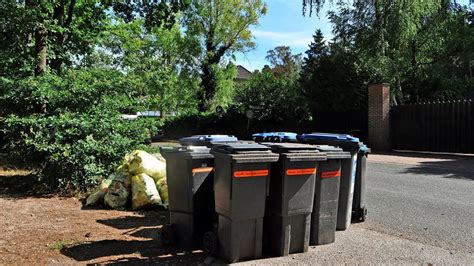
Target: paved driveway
x: 421, y: 210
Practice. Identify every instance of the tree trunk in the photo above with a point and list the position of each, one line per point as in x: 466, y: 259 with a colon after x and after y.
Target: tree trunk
x: 40, y: 51
x: 58, y: 16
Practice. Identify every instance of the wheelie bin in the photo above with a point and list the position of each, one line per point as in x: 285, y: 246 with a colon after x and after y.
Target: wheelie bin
x: 287, y: 221
x: 348, y: 170
x: 206, y: 140
x: 326, y: 196
x: 359, y: 210
x: 275, y: 137
x: 191, y: 199
x: 241, y: 181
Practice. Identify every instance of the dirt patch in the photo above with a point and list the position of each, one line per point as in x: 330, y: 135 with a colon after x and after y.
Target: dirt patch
x: 42, y: 230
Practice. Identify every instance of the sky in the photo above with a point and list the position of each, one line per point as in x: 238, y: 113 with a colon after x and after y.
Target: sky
x: 284, y: 24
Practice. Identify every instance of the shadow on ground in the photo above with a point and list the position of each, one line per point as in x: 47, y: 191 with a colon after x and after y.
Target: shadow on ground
x: 20, y: 186
x: 446, y: 166
x: 144, y: 245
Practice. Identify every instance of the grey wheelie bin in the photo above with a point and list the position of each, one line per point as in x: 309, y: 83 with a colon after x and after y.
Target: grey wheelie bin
x: 241, y: 182
x: 325, y: 207
x: 359, y: 210
x: 191, y: 198
x: 206, y: 140
x: 290, y: 199
x: 348, y: 170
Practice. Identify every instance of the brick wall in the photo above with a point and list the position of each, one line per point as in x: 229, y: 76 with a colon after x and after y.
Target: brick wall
x: 379, y: 117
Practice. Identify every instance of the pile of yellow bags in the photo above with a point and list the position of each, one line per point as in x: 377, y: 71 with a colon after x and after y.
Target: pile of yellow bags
x: 141, y: 180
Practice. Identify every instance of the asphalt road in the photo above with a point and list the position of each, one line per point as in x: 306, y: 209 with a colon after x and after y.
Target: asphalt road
x: 420, y: 211
x: 431, y: 204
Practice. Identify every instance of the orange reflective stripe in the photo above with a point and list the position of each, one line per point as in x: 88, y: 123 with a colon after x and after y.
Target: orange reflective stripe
x: 253, y: 173
x: 331, y: 174
x: 203, y: 170
x: 302, y: 171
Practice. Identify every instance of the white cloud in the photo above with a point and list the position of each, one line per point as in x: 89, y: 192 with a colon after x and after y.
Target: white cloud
x: 294, y: 39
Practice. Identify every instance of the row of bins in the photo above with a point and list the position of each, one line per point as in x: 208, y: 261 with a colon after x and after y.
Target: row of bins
x: 242, y: 199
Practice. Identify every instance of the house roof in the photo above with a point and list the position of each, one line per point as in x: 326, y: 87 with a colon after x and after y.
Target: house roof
x: 243, y: 73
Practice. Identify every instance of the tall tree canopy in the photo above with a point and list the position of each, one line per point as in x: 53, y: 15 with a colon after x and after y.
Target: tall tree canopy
x: 223, y: 28
x: 403, y: 42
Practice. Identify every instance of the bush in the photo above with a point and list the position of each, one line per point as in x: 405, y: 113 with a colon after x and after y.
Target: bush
x: 75, y: 151
x: 70, y: 126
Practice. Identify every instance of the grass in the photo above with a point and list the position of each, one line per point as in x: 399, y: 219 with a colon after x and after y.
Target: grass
x: 58, y: 245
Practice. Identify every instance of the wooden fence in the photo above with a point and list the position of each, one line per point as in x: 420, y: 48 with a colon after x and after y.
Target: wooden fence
x: 440, y: 127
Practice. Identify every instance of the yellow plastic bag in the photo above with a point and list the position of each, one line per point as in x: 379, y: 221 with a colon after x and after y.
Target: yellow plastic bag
x: 144, y: 192
x: 162, y: 187
x: 119, y: 191
x: 97, y: 195
x: 141, y: 162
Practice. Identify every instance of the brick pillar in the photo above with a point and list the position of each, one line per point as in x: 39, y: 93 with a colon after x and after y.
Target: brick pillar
x: 379, y: 117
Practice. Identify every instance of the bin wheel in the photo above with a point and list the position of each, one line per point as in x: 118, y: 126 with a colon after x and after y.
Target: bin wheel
x: 210, y: 243
x: 364, y: 214
x: 167, y: 235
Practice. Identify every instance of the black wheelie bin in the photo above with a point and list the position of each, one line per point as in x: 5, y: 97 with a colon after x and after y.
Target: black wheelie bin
x: 348, y: 170
x: 206, y: 140
x: 326, y: 196
x: 287, y: 220
x: 241, y: 182
x: 191, y: 199
x: 359, y: 210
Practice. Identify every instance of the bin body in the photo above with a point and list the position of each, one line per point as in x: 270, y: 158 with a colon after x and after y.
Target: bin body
x: 287, y: 220
x: 348, y: 170
x: 206, y: 140
x: 191, y: 200
x: 359, y: 210
x: 240, y: 188
x: 326, y: 197
x: 275, y: 137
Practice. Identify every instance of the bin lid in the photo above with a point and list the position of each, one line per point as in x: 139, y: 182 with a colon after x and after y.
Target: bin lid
x: 241, y: 147
x: 187, y: 151
x: 204, y: 140
x: 333, y: 152
x: 329, y: 136
x: 281, y: 135
x: 291, y: 147
x: 364, y: 149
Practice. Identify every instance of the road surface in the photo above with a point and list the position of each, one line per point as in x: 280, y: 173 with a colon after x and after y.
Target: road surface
x: 421, y: 210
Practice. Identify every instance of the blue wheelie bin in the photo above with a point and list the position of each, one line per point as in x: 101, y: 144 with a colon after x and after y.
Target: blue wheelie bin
x: 275, y: 137
x: 206, y: 140
x: 348, y: 170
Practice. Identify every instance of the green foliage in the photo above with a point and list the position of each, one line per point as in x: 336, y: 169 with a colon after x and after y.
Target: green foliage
x: 331, y: 78
x: 221, y: 28
x: 283, y: 62
x: 411, y: 44
x: 71, y: 124
x: 271, y: 97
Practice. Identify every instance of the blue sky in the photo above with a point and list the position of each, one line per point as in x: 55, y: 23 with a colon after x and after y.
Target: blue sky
x: 284, y: 24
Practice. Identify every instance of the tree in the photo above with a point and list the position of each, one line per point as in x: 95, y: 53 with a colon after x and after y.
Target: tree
x: 222, y: 28
x: 53, y: 33
x: 159, y: 61
x: 283, y: 62
x: 317, y: 50
x: 399, y: 41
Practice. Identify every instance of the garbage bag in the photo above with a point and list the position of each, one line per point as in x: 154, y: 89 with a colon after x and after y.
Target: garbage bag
x: 119, y: 191
x: 141, y: 162
x: 162, y: 187
x: 144, y: 192
x: 97, y: 195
